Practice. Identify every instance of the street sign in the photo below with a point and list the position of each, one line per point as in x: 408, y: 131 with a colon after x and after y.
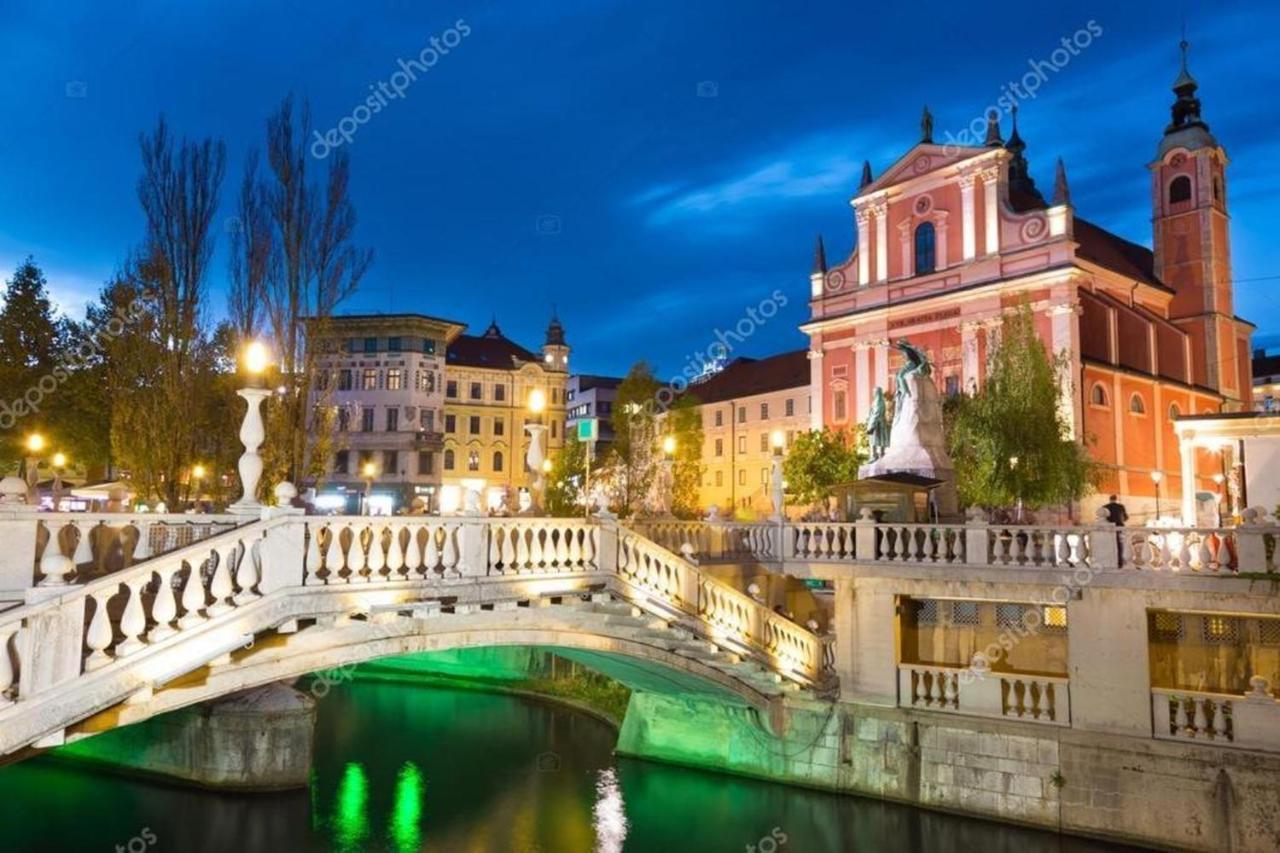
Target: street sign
x: 588, y: 429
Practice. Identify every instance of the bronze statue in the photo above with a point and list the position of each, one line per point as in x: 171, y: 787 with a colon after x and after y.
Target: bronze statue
x: 917, y: 362
x: 877, y: 425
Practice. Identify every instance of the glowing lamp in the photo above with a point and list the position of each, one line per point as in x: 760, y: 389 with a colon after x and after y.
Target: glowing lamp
x: 197, y: 472
x: 1157, y: 476
x: 256, y: 358
x: 35, y: 442
x: 59, y: 460
x: 369, y: 470
x: 669, y: 445
x: 546, y: 466
x: 537, y: 401
x: 778, y: 439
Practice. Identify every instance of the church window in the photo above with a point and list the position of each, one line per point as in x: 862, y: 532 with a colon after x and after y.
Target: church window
x: 448, y: 460
x: 1098, y: 395
x: 1136, y: 406
x: 925, y: 249
x: 497, y: 460
x: 1174, y: 411
x: 839, y: 405
x: 1180, y: 189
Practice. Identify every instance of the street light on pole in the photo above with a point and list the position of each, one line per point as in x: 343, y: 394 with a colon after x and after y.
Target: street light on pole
x: 255, y: 359
x: 1156, y: 477
x: 369, y: 471
x: 668, y: 473
x: 59, y: 464
x: 35, y: 445
x: 1017, y: 486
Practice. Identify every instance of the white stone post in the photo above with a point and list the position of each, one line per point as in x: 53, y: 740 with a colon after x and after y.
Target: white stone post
x: 252, y: 433
x: 864, y: 536
x: 534, y: 458
x: 1187, y: 450
x: 19, y: 533
x: 976, y: 538
x: 1104, y: 543
x: 861, y: 215
x: 1251, y: 546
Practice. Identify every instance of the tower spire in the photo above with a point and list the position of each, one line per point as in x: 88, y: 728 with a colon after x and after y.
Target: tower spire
x: 993, y: 129
x: 819, y: 258
x: 1021, y: 184
x: 1186, y: 107
x: 866, y: 175
x: 1061, y: 192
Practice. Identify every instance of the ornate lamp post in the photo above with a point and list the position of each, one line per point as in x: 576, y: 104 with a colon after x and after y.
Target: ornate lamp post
x: 252, y: 431
x: 1017, y: 487
x: 778, y: 441
x: 668, y: 473
x: 1156, y: 477
x: 369, y: 471
x: 1218, y: 480
x: 537, y: 453
x: 193, y: 482
x: 35, y: 445
x: 59, y: 465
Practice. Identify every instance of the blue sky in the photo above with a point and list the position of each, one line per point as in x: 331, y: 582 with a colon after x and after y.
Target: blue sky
x: 653, y: 169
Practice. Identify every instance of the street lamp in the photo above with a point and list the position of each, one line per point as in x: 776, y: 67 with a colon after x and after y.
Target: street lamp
x: 59, y: 464
x: 668, y: 473
x: 1017, y: 487
x: 1218, y: 480
x: 369, y: 472
x: 537, y: 453
x: 778, y: 441
x: 255, y: 359
x: 35, y: 445
x: 1156, y: 477
x: 193, y: 482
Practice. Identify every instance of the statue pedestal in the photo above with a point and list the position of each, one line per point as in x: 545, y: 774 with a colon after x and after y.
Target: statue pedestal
x: 917, y: 444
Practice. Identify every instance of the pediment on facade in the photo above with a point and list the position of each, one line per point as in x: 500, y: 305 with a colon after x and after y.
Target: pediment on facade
x: 921, y: 160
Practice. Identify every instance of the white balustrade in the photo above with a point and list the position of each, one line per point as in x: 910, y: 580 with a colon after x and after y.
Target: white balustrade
x: 1197, y: 549
x: 822, y: 540
x: 1248, y: 721
x: 1033, y: 698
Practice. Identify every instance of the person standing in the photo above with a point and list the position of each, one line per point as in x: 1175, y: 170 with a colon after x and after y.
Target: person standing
x: 1117, y: 515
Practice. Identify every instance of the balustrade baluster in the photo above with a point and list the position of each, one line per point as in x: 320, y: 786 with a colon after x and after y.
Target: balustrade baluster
x: 248, y: 573
x: 536, y: 555
x: 165, y: 607
x: 100, y: 633
x: 562, y: 547
x: 1164, y: 557
x: 432, y: 551
x: 1201, y: 718
x: 395, y: 554
x: 1182, y: 723
x: 413, y: 551
x: 220, y: 586
x: 355, y: 556
x: 919, y: 690
x: 54, y: 565
x: 1203, y: 560
x: 1034, y: 697
x: 314, y: 558
x: 7, y: 669
x: 1061, y: 551
x: 575, y: 547
x: 142, y: 547
x: 1223, y: 560
x: 84, y: 543
x: 377, y: 554
x: 939, y: 691
x: 951, y: 696
x: 495, y: 548
x: 1184, y: 554
x: 193, y: 597
x: 450, y: 551
x: 134, y: 619
x: 1217, y: 719
x: 334, y: 561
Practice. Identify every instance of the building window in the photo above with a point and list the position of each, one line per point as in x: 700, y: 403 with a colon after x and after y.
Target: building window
x: 390, y: 462
x: 448, y: 460
x: 393, y: 345
x: 1136, y: 406
x: 1054, y: 618
x: 395, y: 379
x: 965, y: 613
x: 1098, y: 395
x: 742, y: 414
x: 839, y: 407
x: 764, y: 411
x: 719, y: 447
x: 1217, y: 188
x: 370, y: 345
x: 344, y: 380
x: 499, y: 426
x: 764, y: 442
x: 426, y: 462
x: 742, y: 477
x: 742, y: 445
x: 953, y: 385
x: 719, y: 478
x: 428, y: 346
x: 1174, y: 411
x: 369, y: 380
x: 344, y: 419
x: 341, y: 460
x: 450, y: 424
x: 555, y: 429
x: 393, y: 418
x: 1220, y: 630
x: 428, y: 420
x: 790, y: 408
x: 477, y: 391
x: 719, y: 418
x: 451, y: 389
x: 499, y: 393
x: 366, y: 419
x: 473, y: 460
x: 473, y: 425
x: 1180, y: 189
x: 497, y: 460
x: 764, y: 476
x: 926, y: 250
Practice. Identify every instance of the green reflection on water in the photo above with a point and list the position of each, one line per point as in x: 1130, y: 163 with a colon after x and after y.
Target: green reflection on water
x: 407, y: 813
x: 350, y: 818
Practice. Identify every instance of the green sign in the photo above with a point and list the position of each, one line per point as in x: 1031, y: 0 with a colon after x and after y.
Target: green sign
x: 588, y: 429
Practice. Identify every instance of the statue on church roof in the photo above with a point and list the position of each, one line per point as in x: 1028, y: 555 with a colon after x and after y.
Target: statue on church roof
x: 926, y: 126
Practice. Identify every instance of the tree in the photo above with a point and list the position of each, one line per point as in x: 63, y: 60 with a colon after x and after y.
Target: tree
x: 309, y: 267
x: 32, y: 340
x: 567, y: 479
x: 1010, y: 441
x: 684, y: 422
x: 631, y: 462
x: 820, y: 460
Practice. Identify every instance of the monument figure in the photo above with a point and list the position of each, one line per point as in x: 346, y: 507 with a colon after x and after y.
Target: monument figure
x: 878, y: 425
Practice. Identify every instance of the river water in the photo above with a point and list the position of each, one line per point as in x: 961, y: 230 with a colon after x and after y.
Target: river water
x: 402, y: 767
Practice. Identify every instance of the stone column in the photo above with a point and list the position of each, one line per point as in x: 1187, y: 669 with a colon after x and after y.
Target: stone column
x: 1066, y: 338
x: 969, y: 357
x: 882, y: 241
x: 864, y: 246
x: 882, y: 363
x: 861, y: 380
x: 1187, y: 451
x: 991, y: 209
x: 817, y: 388
x: 967, y: 217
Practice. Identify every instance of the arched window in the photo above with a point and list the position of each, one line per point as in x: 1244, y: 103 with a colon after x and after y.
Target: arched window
x: 497, y: 460
x: 1098, y: 395
x: 473, y: 460
x: 1180, y: 189
x: 1174, y: 411
x: 1136, y: 406
x: 1217, y: 188
x: 926, y: 251
x: 448, y: 460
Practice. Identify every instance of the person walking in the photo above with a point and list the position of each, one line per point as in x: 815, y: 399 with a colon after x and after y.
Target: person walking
x: 1117, y: 515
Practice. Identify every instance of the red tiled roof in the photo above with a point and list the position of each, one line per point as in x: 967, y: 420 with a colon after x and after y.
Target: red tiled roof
x: 1116, y: 253
x: 491, y: 349
x: 745, y: 377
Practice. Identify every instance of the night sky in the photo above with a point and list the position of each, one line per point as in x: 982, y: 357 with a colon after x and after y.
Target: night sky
x: 652, y: 168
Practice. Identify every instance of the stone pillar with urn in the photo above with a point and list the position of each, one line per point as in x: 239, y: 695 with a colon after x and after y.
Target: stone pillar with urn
x: 252, y: 431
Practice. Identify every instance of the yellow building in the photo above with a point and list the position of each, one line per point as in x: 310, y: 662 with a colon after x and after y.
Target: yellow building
x: 487, y: 386
x: 740, y: 407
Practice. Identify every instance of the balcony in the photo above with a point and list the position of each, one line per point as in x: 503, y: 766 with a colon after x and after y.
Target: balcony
x: 972, y: 692
x: 428, y: 440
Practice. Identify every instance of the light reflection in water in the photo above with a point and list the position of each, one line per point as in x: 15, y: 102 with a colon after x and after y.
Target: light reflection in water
x: 406, y: 816
x: 350, y: 819
x: 610, y: 813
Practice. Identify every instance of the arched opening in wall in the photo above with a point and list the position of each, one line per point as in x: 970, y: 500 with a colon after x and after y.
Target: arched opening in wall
x: 448, y: 460
x: 1174, y: 411
x: 1098, y: 396
x: 497, y: 460
x: 1136, y: 405
x: 1217, y: 188
x: 1180, y: 189
x: 926, y: 248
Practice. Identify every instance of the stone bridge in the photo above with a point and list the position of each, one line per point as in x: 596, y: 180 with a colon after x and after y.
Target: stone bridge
x: 122, y: 617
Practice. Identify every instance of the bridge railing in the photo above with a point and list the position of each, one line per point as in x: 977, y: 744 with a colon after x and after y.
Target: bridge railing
x: 1250, y: 547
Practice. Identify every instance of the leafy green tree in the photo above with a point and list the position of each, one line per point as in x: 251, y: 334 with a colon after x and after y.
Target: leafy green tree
x: 31, y: 341
x: 1010, y: 441
x: 684, y: 422
x: 567, y: 478
x: 631, y: 463
x: 820, y: 460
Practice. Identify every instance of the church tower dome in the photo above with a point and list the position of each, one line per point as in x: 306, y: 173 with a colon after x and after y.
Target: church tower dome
x: 555, y: 352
